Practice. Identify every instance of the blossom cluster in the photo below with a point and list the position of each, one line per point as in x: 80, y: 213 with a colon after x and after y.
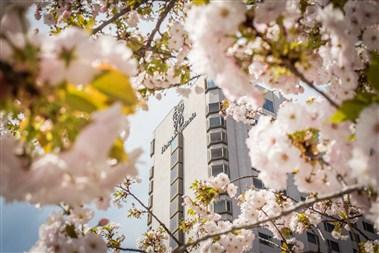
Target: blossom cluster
x: 80, y: 175
x: 69, y: 122
x: 153, y: 241
x: 210, y: 27
x: 241, y: 110
x: 67, y: 233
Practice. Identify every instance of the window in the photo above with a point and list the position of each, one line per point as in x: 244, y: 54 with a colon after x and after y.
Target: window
x: 210, y: 84
x: 176, y: 172
x: 176, y: 142
x: 216, y: 122
x: 312, y: 238
x: 217, y: 137
x: 354, y: 236
x: 329, y: 227
x: 268, y: 105
x: 149, y: 219
x: 151, y: 173
x: 368, y: 227
x: 152, y: 147
x: 213, y: 108
x: 176, y: 188
x: 175, y: 221
x: 150, y: 201
x: 176, y: 205
x: 222, y: 206
x: 265, y: 239
x: 176, y: 156
x: 258, y: 183
x: 218, y: 153
x: 178, y: 235
x: 219, y: 168
x: 333, y: 246
x: 151, y: 186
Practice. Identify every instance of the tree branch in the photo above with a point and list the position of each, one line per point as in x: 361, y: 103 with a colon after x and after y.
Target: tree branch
x: 116, y: 16
x: 152, y: 214
x: 310, y: 84
x: 130, y: 249
x: 299, y: 206
x: 244, y: 177
x: 161, y: 18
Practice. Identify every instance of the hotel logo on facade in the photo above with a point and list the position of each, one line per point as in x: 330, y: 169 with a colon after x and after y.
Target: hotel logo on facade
x: 179, y: 123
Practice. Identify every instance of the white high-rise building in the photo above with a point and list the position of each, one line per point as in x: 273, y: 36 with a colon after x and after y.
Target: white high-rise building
x: 194, y: 142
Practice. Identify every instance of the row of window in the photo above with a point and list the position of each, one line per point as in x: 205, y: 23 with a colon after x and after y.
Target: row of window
x: 329, y: 227
x: 333, y: 246
x: 150, y: 203
x: 217, y: 149
x: 176, y: 188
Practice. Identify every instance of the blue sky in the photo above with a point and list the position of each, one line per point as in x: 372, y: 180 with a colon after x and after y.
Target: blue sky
x: 20, y: 221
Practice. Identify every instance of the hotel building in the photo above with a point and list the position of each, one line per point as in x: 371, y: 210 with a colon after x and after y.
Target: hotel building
x: 194, y: 142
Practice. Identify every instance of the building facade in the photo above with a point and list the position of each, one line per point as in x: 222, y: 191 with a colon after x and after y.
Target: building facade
x: 195, y: 142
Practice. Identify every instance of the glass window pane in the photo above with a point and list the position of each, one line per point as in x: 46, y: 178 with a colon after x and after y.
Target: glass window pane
x: 211, y: 84
x: 219, y: 206
x: 258, y: 183
x: 175, y: 221
x: 217, y: 169
x: 174, y: 144
x: 265, y: 239
x: 215, y: 137
x: 222, y: 206
x: 328, y: 226
x: 176, y: 188
x: 213, y: 107
x: 216, y: 153
x: 312, y: 238
x: 151, y: 172
x: 268, y: 105
x: 332, y: 245
x: 176, y: 157
x: 151, y: 186
x: 176, y: 172
x: 368, y: 227
x: 216, y: 122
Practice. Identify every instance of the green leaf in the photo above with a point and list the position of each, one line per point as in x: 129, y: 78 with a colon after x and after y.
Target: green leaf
x: 116, y: 86
x: 78, y: 100
x: 373, y: 71
x: 200, y: 2
x: 350, y: 109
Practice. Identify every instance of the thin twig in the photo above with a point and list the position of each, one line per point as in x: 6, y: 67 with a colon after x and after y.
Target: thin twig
x: 130, y: 249
x: 280, y: 232
x: 299, y: 206
x: 244, y: 177
x: 291, y: 67
x: 116, y: 16
x: 161, y: 18
x: 152, y: 214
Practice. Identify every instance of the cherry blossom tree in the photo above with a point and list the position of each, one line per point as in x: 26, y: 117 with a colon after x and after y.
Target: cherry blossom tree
x: 101, y: 64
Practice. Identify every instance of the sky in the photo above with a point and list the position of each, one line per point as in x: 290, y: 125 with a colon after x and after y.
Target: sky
x: 20, y: 222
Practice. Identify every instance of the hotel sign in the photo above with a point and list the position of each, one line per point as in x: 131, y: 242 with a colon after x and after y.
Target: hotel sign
x: 179, y: 123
